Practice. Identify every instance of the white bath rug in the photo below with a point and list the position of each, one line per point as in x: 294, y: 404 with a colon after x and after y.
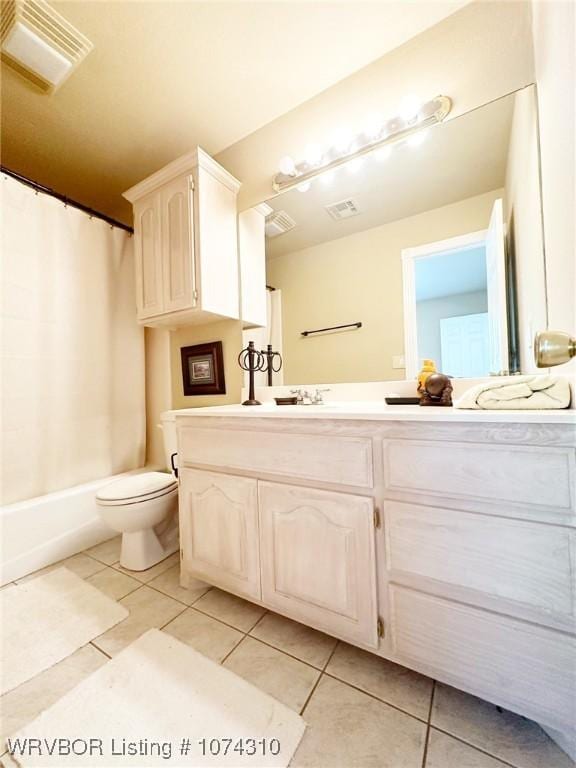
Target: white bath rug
x: 159, y: 702
x: 48, y: 618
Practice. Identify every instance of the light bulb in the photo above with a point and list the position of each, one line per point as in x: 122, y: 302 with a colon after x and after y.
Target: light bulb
x: 303, y: 187
x: 313, y: 155
x: 416, y: 139
x: 287, y: 166
x: 383, y: 153
x: 342, y: 141
x: 410, y: 108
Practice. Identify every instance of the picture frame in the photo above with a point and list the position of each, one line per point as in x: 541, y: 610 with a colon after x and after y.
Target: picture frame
x: 203, y: 369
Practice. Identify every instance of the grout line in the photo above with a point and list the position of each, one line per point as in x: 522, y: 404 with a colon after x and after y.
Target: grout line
x: 266, y: 612
x: 320, y: 676
x: 286, y: 653
x: 98, y: 649
x: 428, y: 726
x: 376, y: 698
x: 238, y: 644
x: 474, y: 746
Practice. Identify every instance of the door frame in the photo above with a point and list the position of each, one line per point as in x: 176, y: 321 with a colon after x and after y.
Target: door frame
x: 465, y: 242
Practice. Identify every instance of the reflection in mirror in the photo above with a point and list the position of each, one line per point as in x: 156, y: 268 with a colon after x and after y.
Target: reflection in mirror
x: 434, y: 246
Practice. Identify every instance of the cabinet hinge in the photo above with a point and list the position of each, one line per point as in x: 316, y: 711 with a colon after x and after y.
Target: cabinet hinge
x: 377, y: 518
x: 194, y: 296
x: 191, y: 183
x: 181, y: 554
x: 380, y: 627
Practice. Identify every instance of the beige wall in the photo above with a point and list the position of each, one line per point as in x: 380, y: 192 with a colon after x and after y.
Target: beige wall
x: 158, y: 391
x: 358, y: 278
x: 474, y: 56
x: 554, y: 46
x: 229, y: 332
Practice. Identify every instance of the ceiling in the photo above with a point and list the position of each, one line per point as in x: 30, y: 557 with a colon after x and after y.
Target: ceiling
x: 165, y: 76
x: 458, y: 159
x: 448, y: 274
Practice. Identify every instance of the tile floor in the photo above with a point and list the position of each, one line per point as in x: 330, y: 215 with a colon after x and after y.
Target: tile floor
x: 361, y: 710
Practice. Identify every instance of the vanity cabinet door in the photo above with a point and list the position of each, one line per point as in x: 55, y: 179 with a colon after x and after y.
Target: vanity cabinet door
x: 148, y: 257
x: 318, y: 562
x: 177, y: 199
x: 219, y: 530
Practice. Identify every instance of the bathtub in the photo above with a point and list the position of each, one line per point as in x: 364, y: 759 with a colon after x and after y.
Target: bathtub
x: 40, y: 531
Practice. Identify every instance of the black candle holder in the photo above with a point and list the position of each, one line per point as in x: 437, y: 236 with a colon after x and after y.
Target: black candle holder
x: 269, y: 362
x: 251, y: 360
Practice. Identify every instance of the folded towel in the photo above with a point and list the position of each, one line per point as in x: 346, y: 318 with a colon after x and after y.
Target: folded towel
x: 518, y: 393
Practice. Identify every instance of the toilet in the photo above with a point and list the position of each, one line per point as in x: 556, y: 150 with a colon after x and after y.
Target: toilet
x: 143, y: 507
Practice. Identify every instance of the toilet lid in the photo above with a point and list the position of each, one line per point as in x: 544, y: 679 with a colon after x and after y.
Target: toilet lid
x: 137, y: 486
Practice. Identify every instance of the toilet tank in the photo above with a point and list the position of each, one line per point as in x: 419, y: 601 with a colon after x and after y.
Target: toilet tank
x: 168, y: 426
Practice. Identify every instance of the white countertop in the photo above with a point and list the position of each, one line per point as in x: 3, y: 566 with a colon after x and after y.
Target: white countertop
x: 375, y: 410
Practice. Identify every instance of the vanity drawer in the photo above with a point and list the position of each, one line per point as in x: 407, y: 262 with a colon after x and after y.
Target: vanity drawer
x: 521, y: 666
x: 324, y: 458
x: 528, y: 565
x: 522, y: 480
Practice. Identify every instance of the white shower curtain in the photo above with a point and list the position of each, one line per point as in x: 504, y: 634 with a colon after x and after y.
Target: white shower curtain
x: 72, y: 353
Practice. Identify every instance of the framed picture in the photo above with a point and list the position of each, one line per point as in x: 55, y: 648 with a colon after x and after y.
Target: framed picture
x: 203, y: 369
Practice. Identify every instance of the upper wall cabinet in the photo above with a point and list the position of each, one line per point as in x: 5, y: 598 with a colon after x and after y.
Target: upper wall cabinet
x: 185, y: 238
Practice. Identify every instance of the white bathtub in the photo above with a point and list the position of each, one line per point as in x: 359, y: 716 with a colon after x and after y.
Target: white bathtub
x: 40, y: 531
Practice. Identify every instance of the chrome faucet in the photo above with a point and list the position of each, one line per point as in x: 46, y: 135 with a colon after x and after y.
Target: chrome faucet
x: 303, y: 397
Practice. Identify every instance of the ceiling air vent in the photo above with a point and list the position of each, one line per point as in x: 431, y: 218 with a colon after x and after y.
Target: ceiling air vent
x: 278, y: 223
x: 343, y: 209
x: 39, y: 43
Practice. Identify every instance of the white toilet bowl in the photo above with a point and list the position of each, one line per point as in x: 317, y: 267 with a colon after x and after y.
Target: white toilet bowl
x: 144, y: 509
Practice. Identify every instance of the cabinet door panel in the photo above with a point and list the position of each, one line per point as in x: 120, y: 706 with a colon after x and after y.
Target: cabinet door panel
x: 219, y: 529
x: 318, y: 562
x: 178, y: 244
x: 148, y: 258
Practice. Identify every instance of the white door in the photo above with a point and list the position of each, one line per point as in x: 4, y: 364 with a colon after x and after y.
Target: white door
x: 318, y: 562
x: 177, y: 198
x: 219, y: 530
x: 464, y: 345
x: 496, y: 289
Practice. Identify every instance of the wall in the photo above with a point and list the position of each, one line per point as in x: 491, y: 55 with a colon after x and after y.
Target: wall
x: 158, y: 392
x: 229, y: 332
x: 554, y: 46
x: 358, y: 278
x: 523, y: 216
x: 478, y: 54
x: 430, y: 312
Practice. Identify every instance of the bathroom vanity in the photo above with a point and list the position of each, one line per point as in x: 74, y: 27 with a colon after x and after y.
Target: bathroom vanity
x: 442, y: 541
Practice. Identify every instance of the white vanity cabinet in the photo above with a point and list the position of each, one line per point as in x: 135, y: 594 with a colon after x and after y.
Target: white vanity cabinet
x: 185, y: 243
x: 444, y: 545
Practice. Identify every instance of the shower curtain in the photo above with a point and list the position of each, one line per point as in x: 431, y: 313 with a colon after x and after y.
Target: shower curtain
x: 72, y: 354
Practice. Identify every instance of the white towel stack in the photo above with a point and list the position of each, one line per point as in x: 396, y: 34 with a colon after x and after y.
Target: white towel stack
x: 518, y: 393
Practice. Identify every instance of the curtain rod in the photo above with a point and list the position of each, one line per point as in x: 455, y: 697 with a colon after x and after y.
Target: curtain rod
x: 66, y: 200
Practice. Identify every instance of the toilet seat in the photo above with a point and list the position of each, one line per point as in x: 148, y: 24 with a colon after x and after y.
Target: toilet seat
x: 136, y: 489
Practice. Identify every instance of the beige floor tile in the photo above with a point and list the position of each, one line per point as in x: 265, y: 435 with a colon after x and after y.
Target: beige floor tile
x: 230, y: 609
x: 26, y: 702
x: 151, y: 573
x: 107, y: 552
x: 390, y: 682
x: 288, y: 680
x: 169, y: 583
x: 294, y: 638
x: 446, y: 752
x: 148, y: 610
x: 113, y: 583
x: 348, y: 728
x: 205, y: 634
x: 503, y: 734
x: 82, y: 565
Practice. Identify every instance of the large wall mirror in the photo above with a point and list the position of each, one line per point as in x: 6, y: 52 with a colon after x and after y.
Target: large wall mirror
x: 432, y: 248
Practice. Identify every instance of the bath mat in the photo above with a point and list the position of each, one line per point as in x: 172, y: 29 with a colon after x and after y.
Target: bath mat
x: 48, y: 618
x: 159, y: 702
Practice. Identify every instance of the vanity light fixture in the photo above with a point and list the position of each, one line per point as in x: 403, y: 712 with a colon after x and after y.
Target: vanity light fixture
x: 411, y: 121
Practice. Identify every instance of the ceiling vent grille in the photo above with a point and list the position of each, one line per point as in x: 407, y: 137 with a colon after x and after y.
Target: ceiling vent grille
x: 343, y: 209
x: 278, y: 223
x: 39, y: 43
